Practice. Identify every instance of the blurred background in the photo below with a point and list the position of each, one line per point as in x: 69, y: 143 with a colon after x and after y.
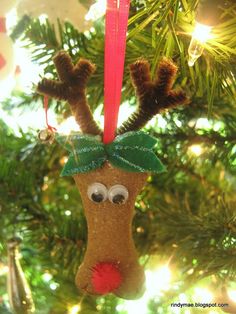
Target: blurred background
x: 185, y: 223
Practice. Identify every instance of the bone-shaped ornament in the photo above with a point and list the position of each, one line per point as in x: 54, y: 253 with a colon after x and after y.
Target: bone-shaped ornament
x: 111, y: 261
x: 110, y: 232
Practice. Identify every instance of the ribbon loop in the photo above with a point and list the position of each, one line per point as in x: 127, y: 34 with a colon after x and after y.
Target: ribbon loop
x: 3, y: 28
x: 115, y: 43
x: 45, y: 105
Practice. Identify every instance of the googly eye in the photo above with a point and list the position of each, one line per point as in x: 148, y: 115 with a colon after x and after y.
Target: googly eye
x: 97, y: 192
x: 118, y: 194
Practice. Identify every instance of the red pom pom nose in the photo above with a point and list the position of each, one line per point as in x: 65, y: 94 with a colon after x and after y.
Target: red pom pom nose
x: 106, y: 277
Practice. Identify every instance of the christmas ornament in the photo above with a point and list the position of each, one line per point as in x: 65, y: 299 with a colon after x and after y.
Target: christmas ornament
x: 19, y: 293
x: 110, y: 169
x: 6, y: 49
x: 47, y: 135
x: 109, y: 176
x: 64, y: 10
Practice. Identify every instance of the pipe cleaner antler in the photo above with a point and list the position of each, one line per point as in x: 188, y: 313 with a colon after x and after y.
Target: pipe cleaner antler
x: 71, y: 87
x: 154, y: 96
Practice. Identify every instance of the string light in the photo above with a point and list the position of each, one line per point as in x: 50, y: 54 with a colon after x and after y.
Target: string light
x: 68, y: 125
x: 54, y: 286
x: 3, y: 269
x: 47, y: 277
x: 157, y: 281
x: 232, y: 295
x: 203, y: 295
x: 196, y: 149
x: 207, y: 16
x: 96, y: 10
x: 67, y: 212
x: 63, y: 160
x: 74, y: 309
x: 200, y: 35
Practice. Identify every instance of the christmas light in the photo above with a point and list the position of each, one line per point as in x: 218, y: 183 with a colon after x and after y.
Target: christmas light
x: 46, y: 277
x: 207, y: 16
x: 74, y: 309
x: 67, y: 126
x: 96, y: 10
x: 232, y: 295
x: 183, y: 298
x: 63, y: 160
x: 196, y: 149
x: 54, y: 286
x: 200, y: 35
x: 3, y: 269
x: 203, y: 295
x: 158, y: 280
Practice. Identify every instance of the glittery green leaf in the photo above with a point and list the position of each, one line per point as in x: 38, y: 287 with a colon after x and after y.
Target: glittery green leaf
x: 131, y: 151
x: 134, y: 159
x: 75, y: 165
x: 137, y: 138
x: 77, y: 141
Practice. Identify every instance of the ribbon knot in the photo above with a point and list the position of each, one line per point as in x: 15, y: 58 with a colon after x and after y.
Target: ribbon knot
x: 45, y: 105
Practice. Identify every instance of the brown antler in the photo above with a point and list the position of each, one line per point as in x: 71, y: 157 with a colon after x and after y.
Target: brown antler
x: 71, y: 87
x: 153, y: 96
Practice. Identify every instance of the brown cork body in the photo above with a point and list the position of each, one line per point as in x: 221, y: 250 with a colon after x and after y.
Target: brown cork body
x: 110, y: 231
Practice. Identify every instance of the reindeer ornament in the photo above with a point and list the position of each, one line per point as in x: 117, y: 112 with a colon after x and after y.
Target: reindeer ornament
x: 110, y: 176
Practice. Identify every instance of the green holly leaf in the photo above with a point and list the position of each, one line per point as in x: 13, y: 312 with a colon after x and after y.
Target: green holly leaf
x: 77, y: 165
x: 137, y: 138
x: 131, y: 151
x: 134, y: 159
x: 78, y: 142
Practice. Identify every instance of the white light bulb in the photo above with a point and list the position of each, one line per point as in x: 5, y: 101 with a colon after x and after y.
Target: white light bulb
x: 203, y: 295
x: 47, y: 277
x: 54, y: 286
x: 200, y: 35
x: 74, y: 309
x: 202, y: 32
x: 67, y: 126
x: 158, y: 280
x: 96, y: 10
x: 196, y: 149
x: 3, y: 270
x: 232, y: 295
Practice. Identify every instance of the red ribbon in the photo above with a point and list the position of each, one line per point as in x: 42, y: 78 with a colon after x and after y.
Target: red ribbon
x: 3, y: 28
x: 117, y: 13
x: 45, y: 105
x: 3, y: 61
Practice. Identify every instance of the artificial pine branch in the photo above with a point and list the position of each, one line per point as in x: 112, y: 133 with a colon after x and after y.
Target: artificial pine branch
x: 180, y: 214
